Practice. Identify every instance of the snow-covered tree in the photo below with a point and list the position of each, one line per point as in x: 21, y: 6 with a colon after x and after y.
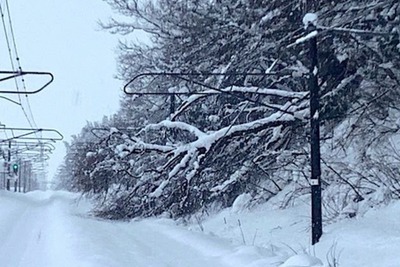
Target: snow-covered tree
x: 246, y: 133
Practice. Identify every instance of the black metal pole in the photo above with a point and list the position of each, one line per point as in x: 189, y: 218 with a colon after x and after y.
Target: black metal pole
x: 8, y: 166
x: 316, y: 207
x: 172, y: 104
x: 29, y: 177
x: 19, y: 175
x: 4, y: 175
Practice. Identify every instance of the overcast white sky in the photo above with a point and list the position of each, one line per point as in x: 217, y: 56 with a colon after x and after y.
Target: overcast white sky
x: 62, y: 37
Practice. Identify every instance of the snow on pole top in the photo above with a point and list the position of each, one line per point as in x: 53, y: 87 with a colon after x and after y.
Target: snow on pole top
x: 310, y: 18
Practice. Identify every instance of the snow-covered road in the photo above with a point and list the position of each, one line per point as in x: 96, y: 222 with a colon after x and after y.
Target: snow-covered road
x: 53, y: 229
x: 43, y: 229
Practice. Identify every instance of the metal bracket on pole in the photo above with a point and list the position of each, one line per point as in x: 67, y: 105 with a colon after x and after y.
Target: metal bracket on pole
x: 10, y: 100
x: 16, y: 74
x: 37, y: 149
x: 29, y: 144
x: 181, y: 75
x: 40, y: 158
x: 109, y: 131
x: 26, y: 132
x: 93, y: 130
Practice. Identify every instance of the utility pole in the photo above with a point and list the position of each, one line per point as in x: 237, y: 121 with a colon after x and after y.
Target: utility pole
x: 29, y: 175
x: 16, y: 169
x: 172, y: 104
x: 316, y: 207
x: 24, y: 175
x: 19, y: 175
x: 3, y: 186
x: 8, y: 166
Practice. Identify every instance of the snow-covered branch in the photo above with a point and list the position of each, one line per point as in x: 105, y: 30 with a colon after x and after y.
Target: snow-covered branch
x: 140, y: 147
x: 355, y: 31
x: 207, y: 142
x: 176, y: 125
x: 239, y: 89
x: 265, y: 91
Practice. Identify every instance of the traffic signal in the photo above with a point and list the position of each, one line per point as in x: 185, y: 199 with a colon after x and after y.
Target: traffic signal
x: 15, y: 168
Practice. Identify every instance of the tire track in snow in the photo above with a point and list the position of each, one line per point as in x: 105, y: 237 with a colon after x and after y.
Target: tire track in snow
x: 30, y: 239
x: 50, y: 231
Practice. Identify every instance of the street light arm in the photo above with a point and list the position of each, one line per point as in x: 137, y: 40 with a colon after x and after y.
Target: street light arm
x: 16, y: 74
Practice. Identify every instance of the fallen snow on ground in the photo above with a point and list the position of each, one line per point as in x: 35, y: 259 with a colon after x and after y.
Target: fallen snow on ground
x: 45, y: 229
x: 49, y: 229
x: 370, y: 240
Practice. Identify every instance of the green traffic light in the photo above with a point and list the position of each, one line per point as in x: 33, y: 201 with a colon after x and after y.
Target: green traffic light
x: 15, y: 167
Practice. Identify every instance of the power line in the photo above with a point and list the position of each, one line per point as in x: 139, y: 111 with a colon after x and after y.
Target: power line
x: 8, y: 46
x: 19, y: 66
x: 7, y: 39
x: 31, y: 120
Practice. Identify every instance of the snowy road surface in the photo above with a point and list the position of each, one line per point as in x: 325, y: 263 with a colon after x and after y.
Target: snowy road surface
x: 50, y: 229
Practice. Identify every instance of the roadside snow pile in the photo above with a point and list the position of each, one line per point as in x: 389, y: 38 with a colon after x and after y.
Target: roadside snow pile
x: 368, y: 240
x: 241, y: 203
x: 302, y: 261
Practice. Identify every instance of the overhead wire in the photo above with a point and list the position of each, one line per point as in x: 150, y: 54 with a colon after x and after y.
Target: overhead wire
x: 11, y: 56
x: 7, y: 38
x: 31, y: 122
x: 8, y: 46
x: 16, y: 66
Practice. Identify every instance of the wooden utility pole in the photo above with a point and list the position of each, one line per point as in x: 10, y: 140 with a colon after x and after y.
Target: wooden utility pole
x: 316, y: 207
